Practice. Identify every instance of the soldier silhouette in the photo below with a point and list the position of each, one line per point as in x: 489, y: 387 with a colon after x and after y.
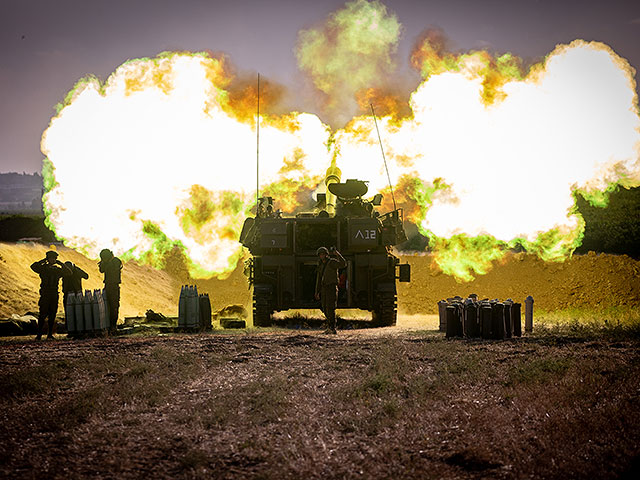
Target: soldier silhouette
x: 111, y: 267
x: 51, y: 270
x: 73, y: 282
x: 327, y: 284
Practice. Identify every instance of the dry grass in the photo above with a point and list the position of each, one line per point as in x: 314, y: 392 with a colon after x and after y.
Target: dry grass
x: 613, y: 323
x: 282, y: 404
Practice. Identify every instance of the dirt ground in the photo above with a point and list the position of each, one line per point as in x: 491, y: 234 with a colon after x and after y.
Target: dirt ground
x: 397, y: 402
x: 582, y: 282
x: 590, y: 282
x: 385, y: 403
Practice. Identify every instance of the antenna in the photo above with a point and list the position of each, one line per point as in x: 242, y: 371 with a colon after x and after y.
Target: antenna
x: 383, y: 157
x: 258, y: 149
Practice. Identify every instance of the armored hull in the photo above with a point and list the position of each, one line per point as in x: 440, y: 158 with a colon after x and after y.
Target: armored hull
x: 283, y: 266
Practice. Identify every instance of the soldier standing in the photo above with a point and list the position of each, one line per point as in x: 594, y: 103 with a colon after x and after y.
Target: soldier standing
x: 327, y: 284
x: 111, y: 267
x: 73, y: 282
x: 51, y: 270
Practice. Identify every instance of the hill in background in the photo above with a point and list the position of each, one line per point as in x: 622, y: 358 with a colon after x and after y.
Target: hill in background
x: 585, y: 282
x: 21, y: 193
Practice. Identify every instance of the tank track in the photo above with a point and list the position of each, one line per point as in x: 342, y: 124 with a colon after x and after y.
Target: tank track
x: 385, y: 314
x: 261, y: 311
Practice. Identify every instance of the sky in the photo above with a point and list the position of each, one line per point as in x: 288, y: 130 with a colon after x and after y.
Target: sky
x: 46, y: 46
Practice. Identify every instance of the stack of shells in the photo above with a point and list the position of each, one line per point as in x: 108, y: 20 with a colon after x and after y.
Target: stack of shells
x: 489, y: 319
x: 194, y: 311
x: 86, y: 313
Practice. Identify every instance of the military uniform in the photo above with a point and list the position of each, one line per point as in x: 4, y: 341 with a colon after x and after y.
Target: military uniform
x: 327, y: 286
x: 50, y: 274
x: 111, y: 267
x: 73, y: 282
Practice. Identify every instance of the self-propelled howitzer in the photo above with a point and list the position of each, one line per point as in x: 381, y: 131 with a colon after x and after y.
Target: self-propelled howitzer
x: 284, y: 264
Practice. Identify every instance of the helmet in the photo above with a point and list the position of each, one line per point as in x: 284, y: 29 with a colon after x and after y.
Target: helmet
x: 52, y: 254
x: 322, y: 250
x: 106, y: 254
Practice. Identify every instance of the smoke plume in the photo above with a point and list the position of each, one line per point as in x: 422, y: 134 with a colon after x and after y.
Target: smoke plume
x: 162, y: 156
x: 498, y: 170
x: 351, y: 51
x: 486, y: 156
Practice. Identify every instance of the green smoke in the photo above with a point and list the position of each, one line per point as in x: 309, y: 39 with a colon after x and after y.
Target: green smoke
x: 351, y: 51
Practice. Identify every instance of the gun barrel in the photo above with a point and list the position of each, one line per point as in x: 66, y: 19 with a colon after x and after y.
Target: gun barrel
x: 332, y: 176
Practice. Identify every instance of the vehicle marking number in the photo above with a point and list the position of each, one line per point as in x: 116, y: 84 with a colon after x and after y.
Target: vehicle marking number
x: 366, y: 234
